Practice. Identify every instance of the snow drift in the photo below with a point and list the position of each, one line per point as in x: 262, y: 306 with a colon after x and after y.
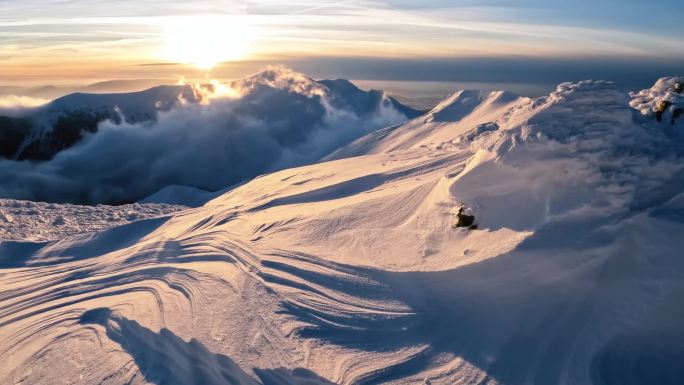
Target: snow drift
x: 114, y: 148
x: 351, y: 271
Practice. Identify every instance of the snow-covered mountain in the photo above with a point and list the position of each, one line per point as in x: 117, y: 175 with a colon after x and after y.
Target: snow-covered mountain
x: 119, y: 148
x: 352, y: 271
x: 458, y: 113
x: 62, y: 123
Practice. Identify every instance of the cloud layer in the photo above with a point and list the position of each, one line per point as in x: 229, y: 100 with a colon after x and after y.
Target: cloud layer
x: 273, y: 120
x: 16, y: 104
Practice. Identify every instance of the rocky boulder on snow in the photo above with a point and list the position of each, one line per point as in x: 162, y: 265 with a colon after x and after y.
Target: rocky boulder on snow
x: 664, y: 101
x: 350, y: 271
x: 465, y: 219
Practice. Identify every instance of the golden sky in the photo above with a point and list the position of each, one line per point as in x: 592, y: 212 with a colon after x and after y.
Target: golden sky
x: 84, y: 41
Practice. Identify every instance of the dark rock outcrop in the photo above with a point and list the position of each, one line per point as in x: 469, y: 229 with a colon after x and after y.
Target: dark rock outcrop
x: 67, y: 130
x: 46, y: 130
x: 465, y: 220
x: 13, y: 132
x: 660, y: 109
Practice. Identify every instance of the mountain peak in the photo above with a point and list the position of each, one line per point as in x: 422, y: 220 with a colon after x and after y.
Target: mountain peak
x: 464, y: 102
x: 280, y: 78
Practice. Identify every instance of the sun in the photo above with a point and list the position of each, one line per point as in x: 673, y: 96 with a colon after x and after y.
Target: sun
x: 205, y: 41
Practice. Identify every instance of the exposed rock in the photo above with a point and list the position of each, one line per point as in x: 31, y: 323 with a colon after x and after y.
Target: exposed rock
x: 664, y: 101
x: 660, y: 109
x: 67, y: 129
x: 465, y: 220
x: 13, y: 131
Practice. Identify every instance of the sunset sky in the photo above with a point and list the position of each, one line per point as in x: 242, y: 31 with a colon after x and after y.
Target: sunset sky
x: 63, y: 41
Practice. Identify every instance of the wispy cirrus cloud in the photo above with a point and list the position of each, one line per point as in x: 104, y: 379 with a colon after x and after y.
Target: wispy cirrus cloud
x: 113, y: 36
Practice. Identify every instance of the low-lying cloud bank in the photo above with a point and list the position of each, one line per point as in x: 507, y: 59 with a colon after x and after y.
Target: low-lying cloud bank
x: 11, y: 105
x: 272, y: 120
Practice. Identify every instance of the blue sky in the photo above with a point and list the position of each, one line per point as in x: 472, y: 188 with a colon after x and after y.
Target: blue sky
x: 663, y: 15
x: 74, y: 40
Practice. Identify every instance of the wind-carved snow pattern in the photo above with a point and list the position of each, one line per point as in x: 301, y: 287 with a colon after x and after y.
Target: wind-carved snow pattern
x: 351, y: 271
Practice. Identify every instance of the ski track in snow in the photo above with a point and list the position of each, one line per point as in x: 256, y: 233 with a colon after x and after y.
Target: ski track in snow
x: 350, y: 271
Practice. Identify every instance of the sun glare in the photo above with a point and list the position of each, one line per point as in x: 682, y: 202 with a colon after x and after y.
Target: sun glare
x: 205, y: 41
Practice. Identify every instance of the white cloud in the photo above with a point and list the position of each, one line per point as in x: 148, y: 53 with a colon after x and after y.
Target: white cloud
x: 13, y: 104
x: 281, y: 119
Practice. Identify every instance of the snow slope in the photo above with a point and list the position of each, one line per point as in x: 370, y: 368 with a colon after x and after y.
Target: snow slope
x: 351, y: 272
x: 454, y: 116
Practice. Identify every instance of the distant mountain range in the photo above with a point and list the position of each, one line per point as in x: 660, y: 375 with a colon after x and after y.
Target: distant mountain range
x: 117, y: 148
x: 107, y: 86
x: 40, y: 133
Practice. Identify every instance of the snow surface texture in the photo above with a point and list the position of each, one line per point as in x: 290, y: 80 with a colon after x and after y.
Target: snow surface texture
x: 39, y: 221
x: 181, y: 195
x: 351, y: 271
x: 209, y: 137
